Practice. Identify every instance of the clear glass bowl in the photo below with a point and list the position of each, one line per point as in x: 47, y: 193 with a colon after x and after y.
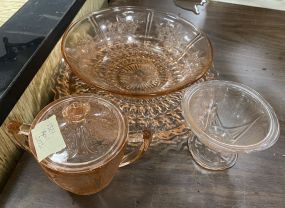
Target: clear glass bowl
x: 227, y: 118
x: 136, y: 51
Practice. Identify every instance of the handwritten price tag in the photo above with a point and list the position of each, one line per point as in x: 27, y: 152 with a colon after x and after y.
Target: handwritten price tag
x: 47, y: 138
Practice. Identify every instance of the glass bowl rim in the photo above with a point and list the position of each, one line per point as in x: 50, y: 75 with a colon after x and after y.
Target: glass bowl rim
x: 136, y: 94
x: 271, y: 136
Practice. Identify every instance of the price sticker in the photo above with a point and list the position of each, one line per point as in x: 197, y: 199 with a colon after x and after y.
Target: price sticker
x: 47, y: 138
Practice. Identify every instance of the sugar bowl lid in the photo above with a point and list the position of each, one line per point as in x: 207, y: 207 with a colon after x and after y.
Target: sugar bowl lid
x: 94, y: 131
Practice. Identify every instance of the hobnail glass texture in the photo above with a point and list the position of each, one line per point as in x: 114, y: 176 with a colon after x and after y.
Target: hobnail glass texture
x: 136, y: 51
x: 161, y: 113
x: 227, y: 118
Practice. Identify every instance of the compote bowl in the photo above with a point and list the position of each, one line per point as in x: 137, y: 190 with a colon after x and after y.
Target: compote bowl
x: 227, y: 118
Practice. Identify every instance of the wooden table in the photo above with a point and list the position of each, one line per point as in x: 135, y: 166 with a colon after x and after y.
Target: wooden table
x: 249, y: 47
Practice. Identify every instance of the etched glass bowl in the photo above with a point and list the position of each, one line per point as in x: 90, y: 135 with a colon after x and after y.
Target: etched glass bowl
x: 227, y: 118
x: 136, y: 51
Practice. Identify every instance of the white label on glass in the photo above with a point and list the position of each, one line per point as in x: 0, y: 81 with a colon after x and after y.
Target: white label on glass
x: 47, y: 138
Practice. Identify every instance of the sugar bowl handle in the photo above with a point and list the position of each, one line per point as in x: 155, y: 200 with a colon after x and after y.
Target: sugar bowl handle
x: 15, y: 127
x: 138, y: 153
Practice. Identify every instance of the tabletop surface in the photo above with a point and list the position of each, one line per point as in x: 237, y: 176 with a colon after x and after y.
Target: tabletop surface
x: 249, y: 47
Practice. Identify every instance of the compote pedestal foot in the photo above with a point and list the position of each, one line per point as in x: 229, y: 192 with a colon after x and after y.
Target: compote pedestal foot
x: 209, y: 158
